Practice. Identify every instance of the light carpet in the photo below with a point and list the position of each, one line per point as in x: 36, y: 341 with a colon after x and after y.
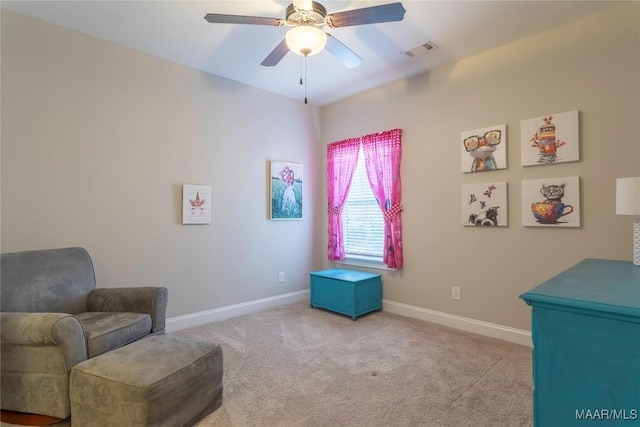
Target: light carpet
x: 297, y: 366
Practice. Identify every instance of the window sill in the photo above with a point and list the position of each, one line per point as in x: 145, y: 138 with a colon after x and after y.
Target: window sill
x: 363, y: 261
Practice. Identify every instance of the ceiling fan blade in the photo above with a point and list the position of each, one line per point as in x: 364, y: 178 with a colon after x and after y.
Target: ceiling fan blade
x: 276, y: 55
x: 368, y: 15
x: 216, y: 18
x: 345, y: 55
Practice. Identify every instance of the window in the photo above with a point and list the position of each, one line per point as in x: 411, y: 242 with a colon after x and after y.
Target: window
x: 357, y: 225
x: 363, y: 224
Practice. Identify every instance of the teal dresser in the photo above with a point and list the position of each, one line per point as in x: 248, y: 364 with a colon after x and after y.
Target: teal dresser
x: 585, y: 326
x: 349, y: 292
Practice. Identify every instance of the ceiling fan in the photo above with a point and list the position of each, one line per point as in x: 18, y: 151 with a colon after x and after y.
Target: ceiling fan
x: 307, y: 19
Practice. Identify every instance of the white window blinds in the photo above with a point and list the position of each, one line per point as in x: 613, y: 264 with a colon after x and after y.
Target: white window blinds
x: 362, y: 221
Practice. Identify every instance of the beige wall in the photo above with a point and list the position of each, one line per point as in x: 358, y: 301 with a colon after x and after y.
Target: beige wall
x: 593, y: 66
x: 97, y: 141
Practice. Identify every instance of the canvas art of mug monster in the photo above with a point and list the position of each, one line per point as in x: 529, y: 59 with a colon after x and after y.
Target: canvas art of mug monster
x: 551, y: 209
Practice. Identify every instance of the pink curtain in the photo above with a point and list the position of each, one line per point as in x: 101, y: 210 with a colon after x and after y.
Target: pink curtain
x: 382, y: 155
x: 342, y: 158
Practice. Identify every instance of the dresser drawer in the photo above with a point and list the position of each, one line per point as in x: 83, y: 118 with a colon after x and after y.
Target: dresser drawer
x: 585, y: 326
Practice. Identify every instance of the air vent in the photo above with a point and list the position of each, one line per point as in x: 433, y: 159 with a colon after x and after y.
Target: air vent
x: 420, y: 50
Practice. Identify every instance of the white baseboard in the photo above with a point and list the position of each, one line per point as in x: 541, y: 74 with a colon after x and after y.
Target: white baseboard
x: 505, y: 333
x: 227, y: 312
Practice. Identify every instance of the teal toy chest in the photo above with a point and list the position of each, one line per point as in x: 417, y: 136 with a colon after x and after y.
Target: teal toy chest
x: 348, y: 292
x: 585, y: 326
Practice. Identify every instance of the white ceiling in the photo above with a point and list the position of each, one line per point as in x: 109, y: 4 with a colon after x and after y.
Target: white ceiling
x: 177, y: 31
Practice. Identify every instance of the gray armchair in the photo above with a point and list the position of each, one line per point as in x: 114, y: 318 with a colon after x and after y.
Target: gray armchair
x: 53, y: 317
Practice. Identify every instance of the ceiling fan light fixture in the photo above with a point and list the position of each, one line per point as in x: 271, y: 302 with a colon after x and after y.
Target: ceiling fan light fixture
x: 306, y: 40
x: 303, y: 4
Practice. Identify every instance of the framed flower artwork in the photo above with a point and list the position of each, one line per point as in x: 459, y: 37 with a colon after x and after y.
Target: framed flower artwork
x: 285, y: 188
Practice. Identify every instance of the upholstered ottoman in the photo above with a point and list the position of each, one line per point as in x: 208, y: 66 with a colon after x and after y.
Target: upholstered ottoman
x: 157, y: 381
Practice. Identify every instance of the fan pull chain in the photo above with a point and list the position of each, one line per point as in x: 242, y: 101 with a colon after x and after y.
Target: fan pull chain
x: 305, y: 79
x: 301, y: 71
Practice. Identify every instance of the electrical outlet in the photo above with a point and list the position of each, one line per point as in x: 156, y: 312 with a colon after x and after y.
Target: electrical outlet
x: 281, y: 277
x: 455, y: 293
